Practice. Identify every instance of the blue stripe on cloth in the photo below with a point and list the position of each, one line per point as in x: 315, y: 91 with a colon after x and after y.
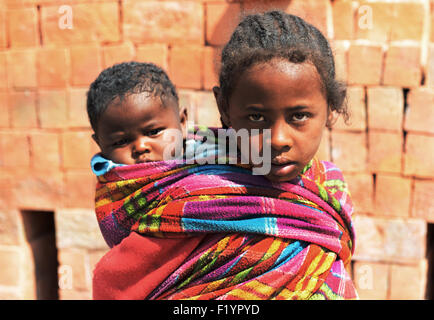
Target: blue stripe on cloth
x: 263, y: 225
x: 290, y: 252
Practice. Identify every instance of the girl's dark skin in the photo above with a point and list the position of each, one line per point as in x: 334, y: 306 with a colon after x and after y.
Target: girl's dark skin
x: 287, y: 98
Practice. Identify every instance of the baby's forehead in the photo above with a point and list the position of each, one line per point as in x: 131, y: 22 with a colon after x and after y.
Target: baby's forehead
x: 143, y: 98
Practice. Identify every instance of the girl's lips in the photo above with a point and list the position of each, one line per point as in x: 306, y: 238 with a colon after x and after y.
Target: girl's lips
x: 283, y: 169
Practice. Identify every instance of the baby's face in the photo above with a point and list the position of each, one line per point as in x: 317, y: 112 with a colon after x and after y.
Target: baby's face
x: 139, y: 128
x: 287, y: 98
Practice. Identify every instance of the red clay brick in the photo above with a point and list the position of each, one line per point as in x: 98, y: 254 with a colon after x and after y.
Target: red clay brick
x: 85, y: 65
x: 43, y: 189
x: 419, y: 156
x: 75, y: 261
x: 21, y: 69
x: 340, y: 52
x: 10, y: 223
x: 361, y: 186
x: 4, y: 111
x: 374, y: 20
x: 430, y: 66
x: 221, y: 20
x: 156, y: 53
x: 81, y: 189
x: 77, y: 114
x: 10, y: 258
x: 323, y: 152
x: 313, y: 11
x: 14, y: 148
x: 389, y: 21
x: 385, y: 151
x: 365, y: 64
x: 371, y: 280
x: 432, y: 21
x: 53, y: 67
x: 3, y: 33
x: 343, y: 19
x: 357, y: 109
x: 76, y: 149
x: 402, y: 66
x: 23, y: 27
x: 3, y: 74
x: 91, y: 22
x: 152, y: 21
x: 390, y: 239
x: 408, y: 282
x: 117, y: 53
x: 44, y: 148
x: 408, y: 21
x: 423, y: 201
x: 185, y: 66
x: 385, y: 108
x: 392, y: 196
x: 207, y: 111
x: 53, y: 112
x: 349, y: 151
x: 211, y: 67
x: 22, y: 108
x: 419, y: 115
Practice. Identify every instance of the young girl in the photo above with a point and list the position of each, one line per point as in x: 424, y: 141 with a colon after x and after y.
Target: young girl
x: 218, y: 231
x: 278, y: 73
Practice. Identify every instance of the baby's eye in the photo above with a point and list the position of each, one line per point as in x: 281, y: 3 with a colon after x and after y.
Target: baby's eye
x: 256, y: 117
x: 120, y: 142
x: 299, y: 117
x: 154, y: 132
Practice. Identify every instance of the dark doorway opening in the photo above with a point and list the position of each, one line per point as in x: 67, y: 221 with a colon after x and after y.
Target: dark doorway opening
x: 430, y: 258
x: 40, y: 233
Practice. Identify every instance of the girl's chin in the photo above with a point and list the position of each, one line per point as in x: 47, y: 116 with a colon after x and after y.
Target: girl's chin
x: 275, y: 178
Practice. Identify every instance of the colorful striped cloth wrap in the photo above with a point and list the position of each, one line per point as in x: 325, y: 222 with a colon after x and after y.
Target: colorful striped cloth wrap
x: 260, y: 239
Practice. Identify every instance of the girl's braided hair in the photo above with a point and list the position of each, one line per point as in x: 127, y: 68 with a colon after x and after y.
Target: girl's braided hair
x: 259, y: 38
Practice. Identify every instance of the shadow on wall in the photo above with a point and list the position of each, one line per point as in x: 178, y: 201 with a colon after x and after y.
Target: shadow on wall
x: 40, y: 234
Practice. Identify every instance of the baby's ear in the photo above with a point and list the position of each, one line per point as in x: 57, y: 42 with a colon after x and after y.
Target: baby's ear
x: 222, y: 106
x: 183, y: 117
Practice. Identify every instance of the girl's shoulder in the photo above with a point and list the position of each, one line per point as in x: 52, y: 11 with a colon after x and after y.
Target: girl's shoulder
x: 322, y: 170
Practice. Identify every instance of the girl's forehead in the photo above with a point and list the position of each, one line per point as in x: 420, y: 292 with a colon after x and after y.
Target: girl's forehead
x: 280, y: 77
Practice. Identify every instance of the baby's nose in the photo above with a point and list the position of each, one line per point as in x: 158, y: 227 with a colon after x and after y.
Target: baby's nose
x: 141, y: 146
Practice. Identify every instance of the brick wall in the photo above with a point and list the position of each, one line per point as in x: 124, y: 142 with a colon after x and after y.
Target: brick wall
x: 50, y: 51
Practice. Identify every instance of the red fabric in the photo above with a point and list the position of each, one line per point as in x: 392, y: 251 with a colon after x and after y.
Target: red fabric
x: 135, y: 267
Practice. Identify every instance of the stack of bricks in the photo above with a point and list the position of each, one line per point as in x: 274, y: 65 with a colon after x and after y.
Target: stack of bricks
x: 50, y: 51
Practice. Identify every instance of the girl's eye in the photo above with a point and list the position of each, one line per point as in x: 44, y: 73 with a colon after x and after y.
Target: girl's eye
x: 256, y: 117
x: 299, y: 117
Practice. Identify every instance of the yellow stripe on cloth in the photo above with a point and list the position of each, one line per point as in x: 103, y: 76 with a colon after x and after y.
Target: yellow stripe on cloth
x: 261, y: 288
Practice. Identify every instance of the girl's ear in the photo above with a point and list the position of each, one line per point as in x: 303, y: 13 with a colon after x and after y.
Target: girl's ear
x: 222, y: 106
x: 183, y: 116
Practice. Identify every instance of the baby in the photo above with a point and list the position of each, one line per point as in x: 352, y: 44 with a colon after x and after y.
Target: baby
x: 133, y: 109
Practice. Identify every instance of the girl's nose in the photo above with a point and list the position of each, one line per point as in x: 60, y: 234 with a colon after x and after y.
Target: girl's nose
x: 281, y: 139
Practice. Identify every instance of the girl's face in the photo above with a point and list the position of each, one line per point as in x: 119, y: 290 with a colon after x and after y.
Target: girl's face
x: 287, y: 98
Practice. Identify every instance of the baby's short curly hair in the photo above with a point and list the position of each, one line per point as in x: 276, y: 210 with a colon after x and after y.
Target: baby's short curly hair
x: 126, y: 78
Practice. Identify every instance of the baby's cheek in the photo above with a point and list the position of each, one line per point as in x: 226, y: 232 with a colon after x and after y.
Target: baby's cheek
x: 170, y: 145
